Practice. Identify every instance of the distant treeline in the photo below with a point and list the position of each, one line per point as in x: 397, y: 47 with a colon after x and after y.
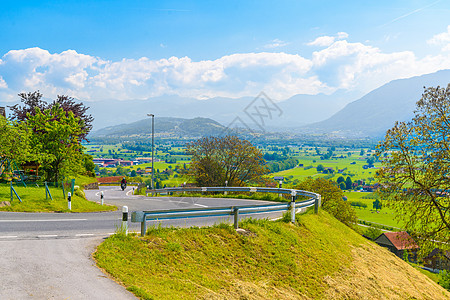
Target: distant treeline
x: 276, y: 166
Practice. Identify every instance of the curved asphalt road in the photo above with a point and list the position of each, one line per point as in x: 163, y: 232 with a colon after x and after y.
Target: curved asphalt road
x: 48, y: 256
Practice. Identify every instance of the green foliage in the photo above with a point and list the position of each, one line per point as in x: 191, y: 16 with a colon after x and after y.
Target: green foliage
x: 34, y: 200
x: 377, y: 205
x: 359, y: 204
x: 444, y: 279
x: 332, y: 198
x: 227, y: 159
x: 405, y: 255
x: 14, y: 141
x: 372, y: 232
x: 417, y: 167
x: 348, y: 183
x: 56, y: 137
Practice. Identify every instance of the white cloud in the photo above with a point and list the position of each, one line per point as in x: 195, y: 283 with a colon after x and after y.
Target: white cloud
x: 441, y: 39
x: 322, y: 41
x: 342, y: 35
x: 3, y: 84
x: 339, y: 65
x: 276, y: 43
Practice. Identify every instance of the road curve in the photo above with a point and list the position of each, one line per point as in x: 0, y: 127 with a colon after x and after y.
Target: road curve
x: 48, y: 255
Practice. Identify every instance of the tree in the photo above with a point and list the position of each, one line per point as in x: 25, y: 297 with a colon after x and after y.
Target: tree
x: 414, y: 176
x: 56, y: 137
x: 14, y: 141
x: 33, y: 100
x: 320, y: 168
x: 340, y: 179
x: 370, y: 161
x: 216, y: 160
x: 332, y: 198
x: 348, y: 183
x: 377, y: 204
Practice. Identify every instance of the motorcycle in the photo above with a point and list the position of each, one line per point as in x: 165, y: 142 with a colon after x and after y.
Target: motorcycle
x: 123, y: 186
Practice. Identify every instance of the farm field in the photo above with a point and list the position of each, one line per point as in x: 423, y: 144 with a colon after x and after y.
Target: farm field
x: 352, y: 166
x: 385, y: 216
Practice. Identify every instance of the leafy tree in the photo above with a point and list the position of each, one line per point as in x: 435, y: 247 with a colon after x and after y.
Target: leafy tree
x: 33, y: 100
x: 342, y: 185
x: 89, y: 165
x: 14, y: 141
x: 415, y: 175
x: 340, y: 179
x: 348, y: 183
x: 320, y: 168
x: 370, y: 161
x: 56, y: 137
x: 377, y: 205
x: 362, y: 152
x: 444, y: 279
x: 332, y: 198
x: 216, y: 160
x: 372, y: 232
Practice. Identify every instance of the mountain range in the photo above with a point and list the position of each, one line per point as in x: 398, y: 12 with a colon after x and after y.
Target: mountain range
x: 377, y: 111
x: 165, y: 126
x: 369, y: 116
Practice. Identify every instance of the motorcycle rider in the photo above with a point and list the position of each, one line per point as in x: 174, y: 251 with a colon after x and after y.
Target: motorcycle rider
x: 123, y: 183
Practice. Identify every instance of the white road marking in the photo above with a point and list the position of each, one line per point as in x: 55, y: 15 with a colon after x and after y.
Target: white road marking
x: 47, y: 235
x: 201, y: 205
x: 8, y: 236
x: 84, y: 234
x: 128, y: 193
x: 48, y: 220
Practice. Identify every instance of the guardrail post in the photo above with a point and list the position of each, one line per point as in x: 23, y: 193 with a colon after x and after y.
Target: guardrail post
x: 101, y: 196
x: 236, y: 218
x: 144, y: 226
x: 293, y: 209
x: 69, y: 200
x: 125, y: 219
x: 317, y: 204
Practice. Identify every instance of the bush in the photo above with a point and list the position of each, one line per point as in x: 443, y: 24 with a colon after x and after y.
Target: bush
x: 444, y: 279
x: 358, y: 204
x: 372, y: 233
x: 332, y: 198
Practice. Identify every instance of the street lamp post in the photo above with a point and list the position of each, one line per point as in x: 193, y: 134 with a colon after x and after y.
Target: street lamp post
x: 153, y: 145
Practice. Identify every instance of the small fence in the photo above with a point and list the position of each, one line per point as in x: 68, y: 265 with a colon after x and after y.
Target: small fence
x: 66, y: 186
x: 236, y: 211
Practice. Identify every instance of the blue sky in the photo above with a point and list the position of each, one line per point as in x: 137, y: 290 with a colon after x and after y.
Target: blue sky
x: 96, y: 50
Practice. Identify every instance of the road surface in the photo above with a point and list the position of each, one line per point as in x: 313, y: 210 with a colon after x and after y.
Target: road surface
x: 48, y: 255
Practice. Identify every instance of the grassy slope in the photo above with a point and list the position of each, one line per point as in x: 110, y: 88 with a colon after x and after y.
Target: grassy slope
x: 315, y: 259
x: 34, y: 200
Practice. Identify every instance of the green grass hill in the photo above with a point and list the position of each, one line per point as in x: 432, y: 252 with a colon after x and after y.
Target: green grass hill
x: 318, y: 258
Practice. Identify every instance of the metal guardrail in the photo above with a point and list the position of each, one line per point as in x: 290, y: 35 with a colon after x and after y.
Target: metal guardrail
x: 143, y: 216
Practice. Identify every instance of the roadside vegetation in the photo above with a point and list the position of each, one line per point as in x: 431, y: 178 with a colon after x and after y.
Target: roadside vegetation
x: 34, y: 200
x: 317, y: 258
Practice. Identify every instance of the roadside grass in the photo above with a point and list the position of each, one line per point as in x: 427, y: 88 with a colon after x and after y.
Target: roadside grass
x: 273, y: 257
x: 34, y: 200
x: 81, y: 180
x: 318, y: 258
x: 431, y: 275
